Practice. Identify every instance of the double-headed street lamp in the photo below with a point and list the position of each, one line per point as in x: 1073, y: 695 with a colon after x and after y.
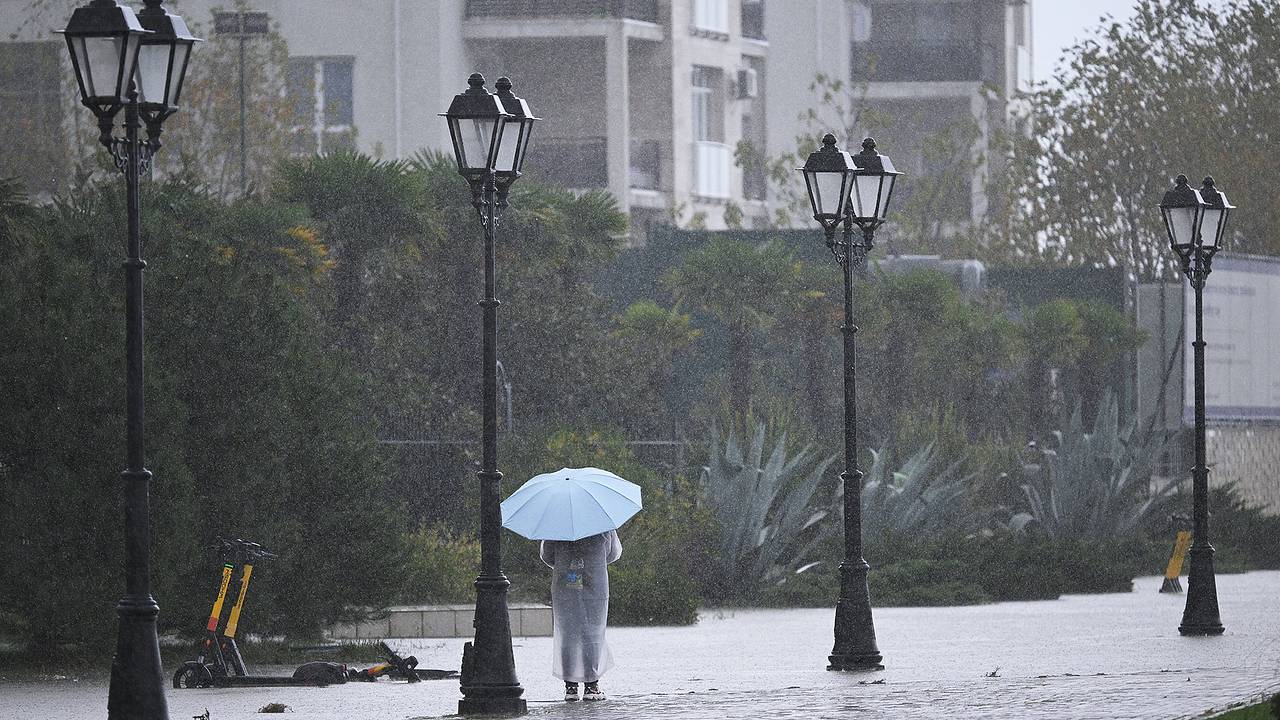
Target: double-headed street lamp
x: 853, y: 190
x: 1195, y: 222
x: 490, y: 133
x: 136, y: 63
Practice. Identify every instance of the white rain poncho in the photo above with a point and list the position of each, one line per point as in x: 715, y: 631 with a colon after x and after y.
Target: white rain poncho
x: 580, y: 604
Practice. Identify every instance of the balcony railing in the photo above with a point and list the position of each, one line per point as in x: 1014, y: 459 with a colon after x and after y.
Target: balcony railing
x: 711, y: 169
x: 646, y: 164
x: 569, y: 162
x: 915, y: 61
x: 646, y: 10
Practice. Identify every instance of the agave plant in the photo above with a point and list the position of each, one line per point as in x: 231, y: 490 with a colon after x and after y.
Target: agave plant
x: 922, y: 497
x: 764, y: 505
x: 1094, y: 485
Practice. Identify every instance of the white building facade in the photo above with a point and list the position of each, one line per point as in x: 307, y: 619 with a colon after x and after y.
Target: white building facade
x: 648, y: 99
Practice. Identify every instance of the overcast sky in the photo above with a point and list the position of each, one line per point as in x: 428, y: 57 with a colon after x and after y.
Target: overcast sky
x: 1057, y: 24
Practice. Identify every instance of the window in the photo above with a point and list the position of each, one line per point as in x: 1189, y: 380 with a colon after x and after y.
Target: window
x: 753, y: 19
x: 711, y: 155
x: 754, y: 182
x: 321, y: 93
x: 708, y: 117
x: 711, y: 17
x: 915, y: 41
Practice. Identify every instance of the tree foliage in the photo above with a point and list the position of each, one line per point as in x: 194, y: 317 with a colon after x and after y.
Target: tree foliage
x: 1183, y: 86
x: 252, y: 424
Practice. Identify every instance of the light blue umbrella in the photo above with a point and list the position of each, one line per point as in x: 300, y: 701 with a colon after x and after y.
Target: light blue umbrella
x: 570, y: 504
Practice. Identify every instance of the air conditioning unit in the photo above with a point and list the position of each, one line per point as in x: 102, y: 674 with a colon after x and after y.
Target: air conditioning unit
x: 748, y: 83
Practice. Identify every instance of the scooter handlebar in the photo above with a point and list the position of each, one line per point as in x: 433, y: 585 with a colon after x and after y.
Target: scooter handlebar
x: 242, y: 548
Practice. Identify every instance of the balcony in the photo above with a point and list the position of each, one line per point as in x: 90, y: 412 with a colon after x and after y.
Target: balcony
x: 578, y: 163
x: 646, y: 165
x: 646, y: 10
x: 711, y: 162
x: 920, y: 61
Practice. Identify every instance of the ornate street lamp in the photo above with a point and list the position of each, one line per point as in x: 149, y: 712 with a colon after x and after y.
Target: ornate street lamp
x: 1195, y: 222
x: 855, y: 190
x: 489, y: 135
x: 136, y: 63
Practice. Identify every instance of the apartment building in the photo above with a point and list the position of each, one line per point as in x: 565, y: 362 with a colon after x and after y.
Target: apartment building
x: 646, y: 98
x: 925, y: 66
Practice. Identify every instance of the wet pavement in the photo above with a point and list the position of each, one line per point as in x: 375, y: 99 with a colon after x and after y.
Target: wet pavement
x: 1084, y: 656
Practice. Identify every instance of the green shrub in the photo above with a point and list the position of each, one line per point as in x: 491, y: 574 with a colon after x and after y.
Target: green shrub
x: 440, y: 567
x: 654, y: 582
x: 915, y: 583
x: 1244, y: 536
x: 642, y: 594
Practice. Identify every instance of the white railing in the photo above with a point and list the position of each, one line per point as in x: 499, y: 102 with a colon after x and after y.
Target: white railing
x: 711, y: 16
x: 1023, y: 68
x: 711, y: 162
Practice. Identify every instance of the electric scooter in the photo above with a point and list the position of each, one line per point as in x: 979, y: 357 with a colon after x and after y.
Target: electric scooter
x: 395, y: 667
x: 219, y: 663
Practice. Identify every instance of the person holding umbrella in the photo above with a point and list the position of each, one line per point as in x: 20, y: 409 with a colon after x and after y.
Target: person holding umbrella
x: 575, y: 512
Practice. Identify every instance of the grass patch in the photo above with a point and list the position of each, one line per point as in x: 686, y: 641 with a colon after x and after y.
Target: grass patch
x: 1265, y: 710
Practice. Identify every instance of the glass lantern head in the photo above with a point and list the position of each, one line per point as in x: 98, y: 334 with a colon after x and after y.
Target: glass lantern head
x: 103, y: 39
x: 828, y: 175
x: 162, y: 61
x: 477, y: 122
x: 1213, y: 215
x: 515, y: 137
x: 1181, y: 208
x: 873, y: 184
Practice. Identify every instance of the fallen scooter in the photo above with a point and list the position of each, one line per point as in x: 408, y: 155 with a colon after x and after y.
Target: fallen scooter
x: 397, y: 668
x: 219, y: 663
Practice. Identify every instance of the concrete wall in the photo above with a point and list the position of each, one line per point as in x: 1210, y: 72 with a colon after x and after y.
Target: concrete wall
x: 1248, y: 455
x: 419, y: 621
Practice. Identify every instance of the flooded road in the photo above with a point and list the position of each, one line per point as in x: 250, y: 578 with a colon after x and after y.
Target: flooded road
x: 1084, y: 656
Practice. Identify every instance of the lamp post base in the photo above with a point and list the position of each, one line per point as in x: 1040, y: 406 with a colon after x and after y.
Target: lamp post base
x: 478, y: 705
x: 855, y: 663
x: 855, y: 631
x: 1201, y: 614
x: 137, y: 681
x: 488, y: 683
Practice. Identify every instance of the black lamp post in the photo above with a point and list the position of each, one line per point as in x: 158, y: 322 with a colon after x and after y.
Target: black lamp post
x: 489, y: 135
x: 1195, y: 222
x: 856, y: 191
x: 136, y: 63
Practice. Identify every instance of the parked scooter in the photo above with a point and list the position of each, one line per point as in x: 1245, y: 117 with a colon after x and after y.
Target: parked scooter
x: 219, y: 663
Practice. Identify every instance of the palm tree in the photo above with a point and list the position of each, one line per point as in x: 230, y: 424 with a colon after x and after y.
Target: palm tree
x: 364, y: 206
x: 744, y: 286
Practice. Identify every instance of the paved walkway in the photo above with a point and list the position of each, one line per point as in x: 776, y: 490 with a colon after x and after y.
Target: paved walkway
x: 1086, y: 656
